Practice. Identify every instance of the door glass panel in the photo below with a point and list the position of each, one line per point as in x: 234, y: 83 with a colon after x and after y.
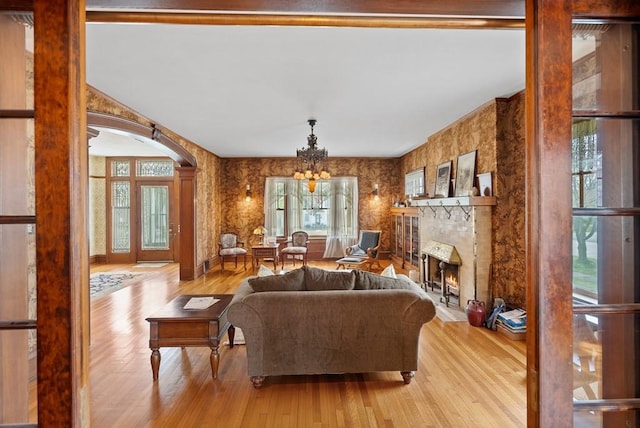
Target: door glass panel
x: 599, y: 347
x: 20, y: 367
x: 120, y: 168
x: 120, y: 217
x: 17, y: 304
x: 596, y: 76
x: 16, y: 166
x: 593, y: 419
x: 154, y: 168
x: 155, y: 217
x: 603, y: 168
x: 17, y: 43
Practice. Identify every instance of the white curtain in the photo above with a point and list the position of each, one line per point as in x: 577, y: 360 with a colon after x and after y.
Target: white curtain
x: 343, y: 216
x: 294, y: 205
x: 270, y: 206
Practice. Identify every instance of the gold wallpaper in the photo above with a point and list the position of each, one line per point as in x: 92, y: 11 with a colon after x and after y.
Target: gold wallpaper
x: 241, y: 216
x: 509, y: 249
x: 496, y: 131
x: 97, y: 206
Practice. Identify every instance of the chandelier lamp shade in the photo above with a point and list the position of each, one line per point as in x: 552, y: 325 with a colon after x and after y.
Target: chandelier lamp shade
x: 311, y: 161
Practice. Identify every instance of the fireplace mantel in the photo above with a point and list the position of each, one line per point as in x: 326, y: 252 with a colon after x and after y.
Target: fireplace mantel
x: 465, y: 203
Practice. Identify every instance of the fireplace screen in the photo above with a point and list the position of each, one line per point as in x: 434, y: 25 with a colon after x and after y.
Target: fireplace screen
x: 441, y: 270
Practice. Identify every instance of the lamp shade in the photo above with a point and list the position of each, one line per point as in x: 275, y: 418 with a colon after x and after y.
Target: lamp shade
x: 260, y: 230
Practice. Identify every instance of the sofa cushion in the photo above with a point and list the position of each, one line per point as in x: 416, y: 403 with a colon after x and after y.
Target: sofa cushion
x: 389, y: 272
x: 290, y: 281
x: 264, y: 271
x: 370, y: 281
x: 319, y: 279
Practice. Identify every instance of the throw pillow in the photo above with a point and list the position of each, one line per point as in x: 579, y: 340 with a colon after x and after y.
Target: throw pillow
x: 389, y: 271
x: 371, y: 281
x: 290, y: 281
x: 264, y: 271
x: 319, y: 279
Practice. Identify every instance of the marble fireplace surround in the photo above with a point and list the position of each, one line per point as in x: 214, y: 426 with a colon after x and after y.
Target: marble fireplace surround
x: 465, y: 223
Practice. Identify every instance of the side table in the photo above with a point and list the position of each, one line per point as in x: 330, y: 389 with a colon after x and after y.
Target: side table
x: 266, y: 252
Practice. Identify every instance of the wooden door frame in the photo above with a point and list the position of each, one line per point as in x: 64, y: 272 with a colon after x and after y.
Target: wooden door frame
x: 62, y: 267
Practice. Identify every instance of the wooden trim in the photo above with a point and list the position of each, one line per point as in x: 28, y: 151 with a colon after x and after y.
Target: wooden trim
x: 493, y: 8
x: 18, y: 5
x: 98, y: 258
x: 606, y: 10
x: 633, y: 114
x: 17, y: 219
x: 303, y: 20
x: 17, y: 114
x: 188, y: 222
x: 62, y: 255
x: 548, y: 213
x: 18, y: 325
x: 156, y: 137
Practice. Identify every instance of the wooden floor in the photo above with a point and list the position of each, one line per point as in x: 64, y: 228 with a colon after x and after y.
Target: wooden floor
x: 467, y: 376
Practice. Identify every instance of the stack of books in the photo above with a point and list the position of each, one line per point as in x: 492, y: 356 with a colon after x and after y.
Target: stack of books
x: 513, y: 323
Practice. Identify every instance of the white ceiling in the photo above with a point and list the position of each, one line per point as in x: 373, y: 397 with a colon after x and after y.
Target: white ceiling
x: 243, y: 91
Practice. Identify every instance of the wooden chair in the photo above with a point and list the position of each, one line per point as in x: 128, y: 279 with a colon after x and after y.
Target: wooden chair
x: 297, y: 247
x: 367, y: 247
x: 230, y: 247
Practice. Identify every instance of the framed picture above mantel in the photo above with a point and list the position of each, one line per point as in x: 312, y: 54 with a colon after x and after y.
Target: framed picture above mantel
x: 414, y: 182
x: 443, y: 178
x: 465, y: 173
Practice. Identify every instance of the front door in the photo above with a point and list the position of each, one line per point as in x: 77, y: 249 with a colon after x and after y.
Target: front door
x: 140, y: 216
x: 155, y: 221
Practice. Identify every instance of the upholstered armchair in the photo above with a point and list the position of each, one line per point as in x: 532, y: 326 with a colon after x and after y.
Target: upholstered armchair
x: 296, y: 248
x: 230, y: 247
x: 367, y: 247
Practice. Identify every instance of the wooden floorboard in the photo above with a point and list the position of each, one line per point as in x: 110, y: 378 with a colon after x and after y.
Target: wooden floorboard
x: 467, y: 376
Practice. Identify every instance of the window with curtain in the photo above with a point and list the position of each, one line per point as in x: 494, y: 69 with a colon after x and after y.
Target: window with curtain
x: 331, y: 211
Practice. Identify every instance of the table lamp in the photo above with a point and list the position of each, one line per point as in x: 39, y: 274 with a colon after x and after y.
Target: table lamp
x: 260, y: 231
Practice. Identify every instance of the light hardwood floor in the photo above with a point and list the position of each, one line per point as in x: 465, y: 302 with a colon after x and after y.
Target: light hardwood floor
x: 467, y: 376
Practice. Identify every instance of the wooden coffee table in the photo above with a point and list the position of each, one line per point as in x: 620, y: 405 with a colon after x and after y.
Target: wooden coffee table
x: 175, y: 326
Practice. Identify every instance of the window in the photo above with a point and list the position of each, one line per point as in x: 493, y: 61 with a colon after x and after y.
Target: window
x: 328, y: 212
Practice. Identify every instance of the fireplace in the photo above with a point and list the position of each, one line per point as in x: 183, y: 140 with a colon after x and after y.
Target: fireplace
x: 441, y: 269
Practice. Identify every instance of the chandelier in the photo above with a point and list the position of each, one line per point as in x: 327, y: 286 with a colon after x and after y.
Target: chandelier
x: 310, y: 160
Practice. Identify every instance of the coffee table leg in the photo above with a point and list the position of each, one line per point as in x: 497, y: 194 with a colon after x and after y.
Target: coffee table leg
x: 155, y: 362
x: 215, y: 361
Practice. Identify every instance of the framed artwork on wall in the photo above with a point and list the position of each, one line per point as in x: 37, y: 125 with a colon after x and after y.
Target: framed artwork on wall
x: 414, y: 183
x: 465, y: 173
x: 484, y: 184
x: 443, y: 177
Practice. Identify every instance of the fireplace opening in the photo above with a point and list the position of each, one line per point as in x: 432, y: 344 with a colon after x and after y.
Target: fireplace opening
x: 440, y: 269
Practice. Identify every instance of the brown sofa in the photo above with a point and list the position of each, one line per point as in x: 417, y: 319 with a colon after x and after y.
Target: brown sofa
x: 313, y: 321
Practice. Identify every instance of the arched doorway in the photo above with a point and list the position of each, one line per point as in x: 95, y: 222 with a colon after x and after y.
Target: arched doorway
x: 183, y: 229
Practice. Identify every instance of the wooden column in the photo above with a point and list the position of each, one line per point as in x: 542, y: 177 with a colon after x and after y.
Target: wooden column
x: 188, y: 225
x: 61, y: 166
x: 14, y: 255
x: 549, y: 214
